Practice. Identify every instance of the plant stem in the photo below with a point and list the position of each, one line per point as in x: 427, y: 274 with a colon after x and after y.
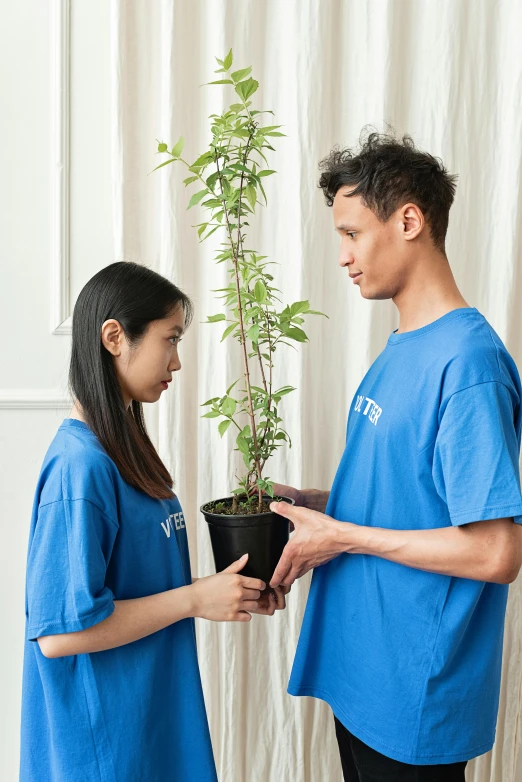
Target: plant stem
x: 235, y: 260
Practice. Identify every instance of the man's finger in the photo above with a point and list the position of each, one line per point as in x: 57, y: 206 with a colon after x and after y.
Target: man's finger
x: 291, y: 576
x: 284, y: 565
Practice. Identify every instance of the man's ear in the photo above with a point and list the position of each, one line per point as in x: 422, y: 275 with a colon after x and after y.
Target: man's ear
x: 412, y: 221
x: 112, y: 336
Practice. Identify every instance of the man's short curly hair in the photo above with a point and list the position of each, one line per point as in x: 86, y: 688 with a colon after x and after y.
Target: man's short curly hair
x: 388, y: 172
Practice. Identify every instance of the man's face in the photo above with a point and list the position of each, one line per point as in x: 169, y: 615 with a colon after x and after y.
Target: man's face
x: 374, y: 253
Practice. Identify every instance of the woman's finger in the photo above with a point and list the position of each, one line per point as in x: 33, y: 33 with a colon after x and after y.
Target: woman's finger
x: 252, y: 583
x: 242, y: 616
x: 251, y: 594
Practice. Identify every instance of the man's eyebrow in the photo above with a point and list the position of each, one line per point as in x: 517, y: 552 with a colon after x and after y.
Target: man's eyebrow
x: 345, y: 228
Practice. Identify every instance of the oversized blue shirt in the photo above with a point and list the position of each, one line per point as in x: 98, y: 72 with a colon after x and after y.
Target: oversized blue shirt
x: 409, y: 660
x: 128, y: 714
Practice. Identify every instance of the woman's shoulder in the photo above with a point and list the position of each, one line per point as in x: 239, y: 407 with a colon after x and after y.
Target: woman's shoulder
x: 76, y: 467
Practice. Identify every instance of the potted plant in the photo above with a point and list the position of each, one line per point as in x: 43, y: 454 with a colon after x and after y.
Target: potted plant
x: 229, y: 184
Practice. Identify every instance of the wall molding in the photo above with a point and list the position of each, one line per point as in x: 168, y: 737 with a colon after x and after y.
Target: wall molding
x: 34, y: 399
x: 61, y: 321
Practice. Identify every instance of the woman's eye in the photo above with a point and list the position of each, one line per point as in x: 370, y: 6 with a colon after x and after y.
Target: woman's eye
x: 175, y: 340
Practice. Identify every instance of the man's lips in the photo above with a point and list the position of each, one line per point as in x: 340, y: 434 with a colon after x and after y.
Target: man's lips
x: 355, y: 276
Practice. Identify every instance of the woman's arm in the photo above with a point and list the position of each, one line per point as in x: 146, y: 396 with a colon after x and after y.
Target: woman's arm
x: 224, y: 597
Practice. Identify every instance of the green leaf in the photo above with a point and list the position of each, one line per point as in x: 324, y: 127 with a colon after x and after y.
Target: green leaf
x: 177, y: 149
x: 227, y: 62
x: 223, y: 426
x: 203, y: 160
x: 280, y: 436
x: 229, y: 389
x: 189, y: 180
x: 228, y: 331
x: 242, y: 444
x: 246, y: 88
x: 251, y: 195
x: 202, y: 228
x: 229, y: 406
x: 216, y: 318
x: 274, y: 133
x: 212, y: 414
x: 299, y: 306
x: 221, y: 81
x: 196, y: 198
x: 242, y: 74
x: 210, y: 401
x: 297, y: 334
x: 162, y: 147
x: 259, y: 292
x: 267, y: 172
x: 253, y: 333
x: 285, y: 390
x: 212, y: 231
x: 166, y: 163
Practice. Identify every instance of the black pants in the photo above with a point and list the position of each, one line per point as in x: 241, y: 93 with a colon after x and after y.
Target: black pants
x: 362, y: 764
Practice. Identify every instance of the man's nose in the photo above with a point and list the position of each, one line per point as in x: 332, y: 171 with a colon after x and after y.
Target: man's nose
x: 345, y: 256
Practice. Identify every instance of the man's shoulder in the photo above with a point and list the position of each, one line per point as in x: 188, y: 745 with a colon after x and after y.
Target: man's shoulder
x: 474, y: 354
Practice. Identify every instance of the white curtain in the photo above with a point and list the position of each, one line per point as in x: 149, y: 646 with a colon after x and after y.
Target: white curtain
x: 449, y: 72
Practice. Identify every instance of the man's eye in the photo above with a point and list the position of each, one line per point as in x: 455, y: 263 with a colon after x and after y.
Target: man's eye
x: 351, y: 234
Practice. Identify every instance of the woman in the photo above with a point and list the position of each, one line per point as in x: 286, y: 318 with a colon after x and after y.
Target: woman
x: 111, y: 688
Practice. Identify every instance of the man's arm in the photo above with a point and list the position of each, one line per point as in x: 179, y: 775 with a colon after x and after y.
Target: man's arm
x: 483, y: 550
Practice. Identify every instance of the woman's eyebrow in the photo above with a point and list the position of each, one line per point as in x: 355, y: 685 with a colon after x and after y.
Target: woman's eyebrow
x: 176, y: 329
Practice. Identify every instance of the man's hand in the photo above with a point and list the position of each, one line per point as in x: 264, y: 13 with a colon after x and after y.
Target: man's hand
x: 316, y: 541
x: 271, y: 601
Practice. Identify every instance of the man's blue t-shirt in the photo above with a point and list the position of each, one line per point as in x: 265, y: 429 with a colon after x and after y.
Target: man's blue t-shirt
x: 408, y: 660
x: 128, y: 714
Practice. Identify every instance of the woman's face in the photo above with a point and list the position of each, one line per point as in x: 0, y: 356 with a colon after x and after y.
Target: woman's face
x: 145, y: 370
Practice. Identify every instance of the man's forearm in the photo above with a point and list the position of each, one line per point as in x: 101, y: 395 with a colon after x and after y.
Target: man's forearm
x: 483, y: 551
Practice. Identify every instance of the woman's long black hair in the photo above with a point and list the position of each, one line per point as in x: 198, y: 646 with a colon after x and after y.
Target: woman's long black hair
x: 134, y: 296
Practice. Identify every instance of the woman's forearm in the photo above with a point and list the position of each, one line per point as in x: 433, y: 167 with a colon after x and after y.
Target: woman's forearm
x: 130, y: 621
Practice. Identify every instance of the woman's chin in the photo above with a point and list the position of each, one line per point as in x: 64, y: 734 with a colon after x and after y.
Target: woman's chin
x: 148, y: 397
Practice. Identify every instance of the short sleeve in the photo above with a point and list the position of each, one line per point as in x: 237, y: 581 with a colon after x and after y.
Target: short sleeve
x: 66, y: 568
x: 476, y: 456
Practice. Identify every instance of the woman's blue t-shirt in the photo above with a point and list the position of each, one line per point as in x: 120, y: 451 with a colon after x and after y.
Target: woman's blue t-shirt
x: 409, y: 660
x: 128, y: 714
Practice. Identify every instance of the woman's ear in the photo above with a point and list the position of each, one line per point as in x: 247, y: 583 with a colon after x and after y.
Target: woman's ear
x: 112, y: 336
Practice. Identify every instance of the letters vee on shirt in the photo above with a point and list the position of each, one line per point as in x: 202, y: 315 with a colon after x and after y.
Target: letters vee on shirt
x: 126, y: 714
x: 408, y: 660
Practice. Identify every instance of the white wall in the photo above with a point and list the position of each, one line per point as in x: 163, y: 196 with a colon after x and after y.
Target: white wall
x: 33, y: 364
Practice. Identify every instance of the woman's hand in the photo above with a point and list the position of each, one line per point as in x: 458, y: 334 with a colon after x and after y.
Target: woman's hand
x: 227, y: 596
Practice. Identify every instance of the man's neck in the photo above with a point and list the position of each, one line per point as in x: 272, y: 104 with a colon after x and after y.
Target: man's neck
x: 430, y: 293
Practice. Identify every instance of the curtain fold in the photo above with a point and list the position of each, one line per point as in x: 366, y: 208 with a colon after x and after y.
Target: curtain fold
x: 449, y: 72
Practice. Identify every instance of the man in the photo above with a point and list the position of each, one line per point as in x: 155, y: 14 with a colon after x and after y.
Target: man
x: 402, y: 634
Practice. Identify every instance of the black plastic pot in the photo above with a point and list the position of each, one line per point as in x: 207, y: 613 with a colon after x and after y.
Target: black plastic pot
x: 262, y: 536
